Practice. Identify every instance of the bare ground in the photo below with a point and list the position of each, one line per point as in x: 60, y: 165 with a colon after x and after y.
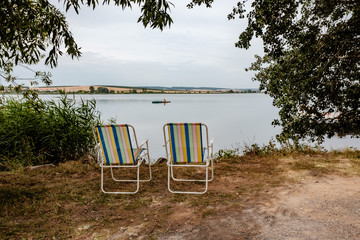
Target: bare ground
x: 305, y: 196
x: 317, y: 208
x: 326, y: 207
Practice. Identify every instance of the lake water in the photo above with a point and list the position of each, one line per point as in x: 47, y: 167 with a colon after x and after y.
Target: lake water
x: 233, y: 119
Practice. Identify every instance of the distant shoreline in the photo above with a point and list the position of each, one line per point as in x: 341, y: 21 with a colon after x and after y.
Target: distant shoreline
x: 106, y: 89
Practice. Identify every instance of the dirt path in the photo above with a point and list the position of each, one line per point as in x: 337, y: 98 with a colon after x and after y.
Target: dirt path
x: 317, y: 208
x: 322, y: 208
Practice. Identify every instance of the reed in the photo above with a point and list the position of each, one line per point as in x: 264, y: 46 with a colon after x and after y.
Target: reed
x: 34, y: 131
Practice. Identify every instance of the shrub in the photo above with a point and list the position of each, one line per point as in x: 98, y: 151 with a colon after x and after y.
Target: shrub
x: 34, y: 131
x: 227, y: 153
x: 285, y: 149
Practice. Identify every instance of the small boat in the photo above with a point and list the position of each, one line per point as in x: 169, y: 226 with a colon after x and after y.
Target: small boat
x: 161, y: 101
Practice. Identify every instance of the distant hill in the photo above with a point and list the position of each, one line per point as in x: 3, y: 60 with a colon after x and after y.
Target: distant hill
x: 182, y: 88
x: 146, y: 89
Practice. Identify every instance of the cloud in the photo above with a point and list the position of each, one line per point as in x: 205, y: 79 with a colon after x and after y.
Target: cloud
x: 198, y: 49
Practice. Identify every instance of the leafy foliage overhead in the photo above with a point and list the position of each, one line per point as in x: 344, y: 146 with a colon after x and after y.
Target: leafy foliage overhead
x: 29, y: 28
x: 33, y: 29
x: 311, y: 64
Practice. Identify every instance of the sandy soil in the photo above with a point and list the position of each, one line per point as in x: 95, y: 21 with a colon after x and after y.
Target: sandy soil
x: 317, y: 208
x: 325, y: 208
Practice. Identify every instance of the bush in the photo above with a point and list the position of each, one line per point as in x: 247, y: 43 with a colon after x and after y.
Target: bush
x: 34, y: 131
x: 227, y: 153
x: 285, y: 149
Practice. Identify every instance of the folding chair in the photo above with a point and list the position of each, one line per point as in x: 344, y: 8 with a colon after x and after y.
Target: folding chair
x: 184, y: 148
x: 116, y: 151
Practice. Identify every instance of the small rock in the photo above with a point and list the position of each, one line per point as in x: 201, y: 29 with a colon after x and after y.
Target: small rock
x: 40, y: 167
x: 85, y: 227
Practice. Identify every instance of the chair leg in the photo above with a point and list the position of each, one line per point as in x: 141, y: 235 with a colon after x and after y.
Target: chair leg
x: 132, y: 180
x: 212, y: 170
x: 170, y: 171
x: 137, y: 182
x: 150, y: 174
x: 148, y: 157
x: 194, y: 180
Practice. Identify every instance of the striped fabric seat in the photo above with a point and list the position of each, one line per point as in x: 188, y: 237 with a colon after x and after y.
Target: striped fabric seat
x: 116, y: 144
x: 185, y: 140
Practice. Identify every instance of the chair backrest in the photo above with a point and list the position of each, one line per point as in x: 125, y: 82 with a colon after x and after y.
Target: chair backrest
x: 115, y: 143
x: 185, y: 140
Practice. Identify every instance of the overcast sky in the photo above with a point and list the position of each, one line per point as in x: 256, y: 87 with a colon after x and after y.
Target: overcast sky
x: 198, y: 50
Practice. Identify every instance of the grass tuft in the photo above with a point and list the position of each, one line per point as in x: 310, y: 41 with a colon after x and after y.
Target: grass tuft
x: 34, y: 131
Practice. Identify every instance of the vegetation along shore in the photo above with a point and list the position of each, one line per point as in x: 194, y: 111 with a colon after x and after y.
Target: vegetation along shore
x: 309, y: 66
x: 107, y: 89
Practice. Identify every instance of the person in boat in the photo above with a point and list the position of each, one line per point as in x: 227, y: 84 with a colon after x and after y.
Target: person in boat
x: 164, y: 100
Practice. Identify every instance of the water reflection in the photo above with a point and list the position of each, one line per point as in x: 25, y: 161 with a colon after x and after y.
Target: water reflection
x: 233, y: 119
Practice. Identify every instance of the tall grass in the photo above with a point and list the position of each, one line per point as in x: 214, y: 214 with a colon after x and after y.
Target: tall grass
x: 34, y: 131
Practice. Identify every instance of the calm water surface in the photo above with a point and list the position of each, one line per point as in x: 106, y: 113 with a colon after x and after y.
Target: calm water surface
x: 233, y: 119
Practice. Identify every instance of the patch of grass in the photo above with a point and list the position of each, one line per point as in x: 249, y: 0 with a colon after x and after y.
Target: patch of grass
x: 226, y: 196
x: 355, y: 163
x: 351, y: 153
x: 137, y: 203
x: 18, y: 196
x: 200, y: 201
x: 153, y: 237
x: 330, y: 160
x: 303, y: 165
x: 208, y: 212
x: 69, y: 197
x: 166, y: 210
x: 243, y: 191
x: 178, y: 198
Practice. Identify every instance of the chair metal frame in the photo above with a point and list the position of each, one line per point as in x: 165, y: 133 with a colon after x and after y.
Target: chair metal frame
x: 208, y: 160
x: 142, y: 157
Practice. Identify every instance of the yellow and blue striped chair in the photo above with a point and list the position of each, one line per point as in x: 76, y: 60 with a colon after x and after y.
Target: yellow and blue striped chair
x: 185, y: 148
x: 116, y: 150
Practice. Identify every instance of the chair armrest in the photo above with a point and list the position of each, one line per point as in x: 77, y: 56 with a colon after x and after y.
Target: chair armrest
x: 212, y: 142
x: 99, y: 154
x: 148, y: 160
x: 141, y: 144
x: 139, y: 162
x: 211, y: 147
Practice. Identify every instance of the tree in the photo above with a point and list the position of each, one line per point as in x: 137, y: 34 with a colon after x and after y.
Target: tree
x: 33, y: 29
x: 102, y: 90
x: 92, y: 89
x: 311, y: 64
